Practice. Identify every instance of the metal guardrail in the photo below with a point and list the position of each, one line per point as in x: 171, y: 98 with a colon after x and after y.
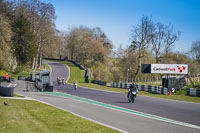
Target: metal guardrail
x: 99, y: 82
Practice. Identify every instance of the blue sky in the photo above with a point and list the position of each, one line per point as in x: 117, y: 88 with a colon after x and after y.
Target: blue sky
x: 117, y: 17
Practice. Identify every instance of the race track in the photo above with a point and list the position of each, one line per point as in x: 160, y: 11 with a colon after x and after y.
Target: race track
x: 112, y: 109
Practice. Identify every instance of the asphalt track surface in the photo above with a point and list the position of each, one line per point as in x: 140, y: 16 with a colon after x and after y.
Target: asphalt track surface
x: 175, y: 110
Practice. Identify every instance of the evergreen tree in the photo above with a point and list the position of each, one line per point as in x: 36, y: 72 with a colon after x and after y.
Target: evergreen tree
x: 24, y: 43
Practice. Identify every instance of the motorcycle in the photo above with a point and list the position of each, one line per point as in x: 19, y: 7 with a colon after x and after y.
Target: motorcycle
x: 63, y: 81
x: 132, y: 95
x: 58, y: 81
x: 75, y: 86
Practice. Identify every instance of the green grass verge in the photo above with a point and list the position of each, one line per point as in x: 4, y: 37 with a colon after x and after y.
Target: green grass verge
x: 15, y: 95
x: 47, y: 66
x: 22, y: 116
x: 75, y: 73
x: 179, y: 97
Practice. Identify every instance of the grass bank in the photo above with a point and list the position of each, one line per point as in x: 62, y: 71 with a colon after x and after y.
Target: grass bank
x: 47, y: 66
x: 75, y: 73
x: 24, y: 116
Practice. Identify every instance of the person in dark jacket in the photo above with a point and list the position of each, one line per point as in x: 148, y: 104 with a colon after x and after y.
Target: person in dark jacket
x: 131, y: 89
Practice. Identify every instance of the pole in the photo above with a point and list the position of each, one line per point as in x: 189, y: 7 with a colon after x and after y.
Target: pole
x: 99, y: 75
x: 127, y: 75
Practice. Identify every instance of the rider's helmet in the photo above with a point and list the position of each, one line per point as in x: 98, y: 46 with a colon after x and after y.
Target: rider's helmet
x: 133, y: 85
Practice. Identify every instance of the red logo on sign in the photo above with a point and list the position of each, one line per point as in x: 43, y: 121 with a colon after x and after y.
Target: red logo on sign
x: 181, y: 69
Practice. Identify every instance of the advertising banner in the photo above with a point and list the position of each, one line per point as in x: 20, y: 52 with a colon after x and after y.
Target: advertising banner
x: 169, y: 68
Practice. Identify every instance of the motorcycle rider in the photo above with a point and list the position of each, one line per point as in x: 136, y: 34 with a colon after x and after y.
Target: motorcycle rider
x: 131, y: 89
x: 75, y: 84
x: 58, y: 81
x: 63, y: 81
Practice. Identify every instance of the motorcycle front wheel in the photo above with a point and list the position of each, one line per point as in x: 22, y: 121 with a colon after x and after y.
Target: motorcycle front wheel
x: 133, y: 100
x: 130, y: 100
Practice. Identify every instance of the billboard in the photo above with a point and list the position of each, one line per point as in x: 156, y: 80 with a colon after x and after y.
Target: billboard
x: 146, y: 68
x: 169, y: 68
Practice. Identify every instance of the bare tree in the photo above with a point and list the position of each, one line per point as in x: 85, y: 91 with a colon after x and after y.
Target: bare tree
x: 170, y: 37
x: 158, y: 40
x: 141, y: 36
x: 163, y: 39
x: 195, y: 51
x: 101, y: 36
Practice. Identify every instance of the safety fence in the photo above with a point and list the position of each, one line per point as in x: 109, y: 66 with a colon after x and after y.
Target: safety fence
x: 193, y: 92
x: 149, y: 88
x: 99, y: 82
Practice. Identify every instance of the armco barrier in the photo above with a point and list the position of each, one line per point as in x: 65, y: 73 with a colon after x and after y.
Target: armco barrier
x: 193, y: 92
x: 99, y: 82
x: 77, y: 64
x: 149, y: 88
x: 6, y: 91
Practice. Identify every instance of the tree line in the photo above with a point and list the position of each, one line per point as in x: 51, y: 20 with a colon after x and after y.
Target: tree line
x: 87, y: 46
x: 28, y: 34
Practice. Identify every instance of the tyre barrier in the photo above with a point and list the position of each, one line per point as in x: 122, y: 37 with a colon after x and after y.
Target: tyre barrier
x: 193, y: 92
x: 150, y: 88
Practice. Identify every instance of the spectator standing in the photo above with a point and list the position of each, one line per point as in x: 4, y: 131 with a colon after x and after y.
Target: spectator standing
x: 7, y: 77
